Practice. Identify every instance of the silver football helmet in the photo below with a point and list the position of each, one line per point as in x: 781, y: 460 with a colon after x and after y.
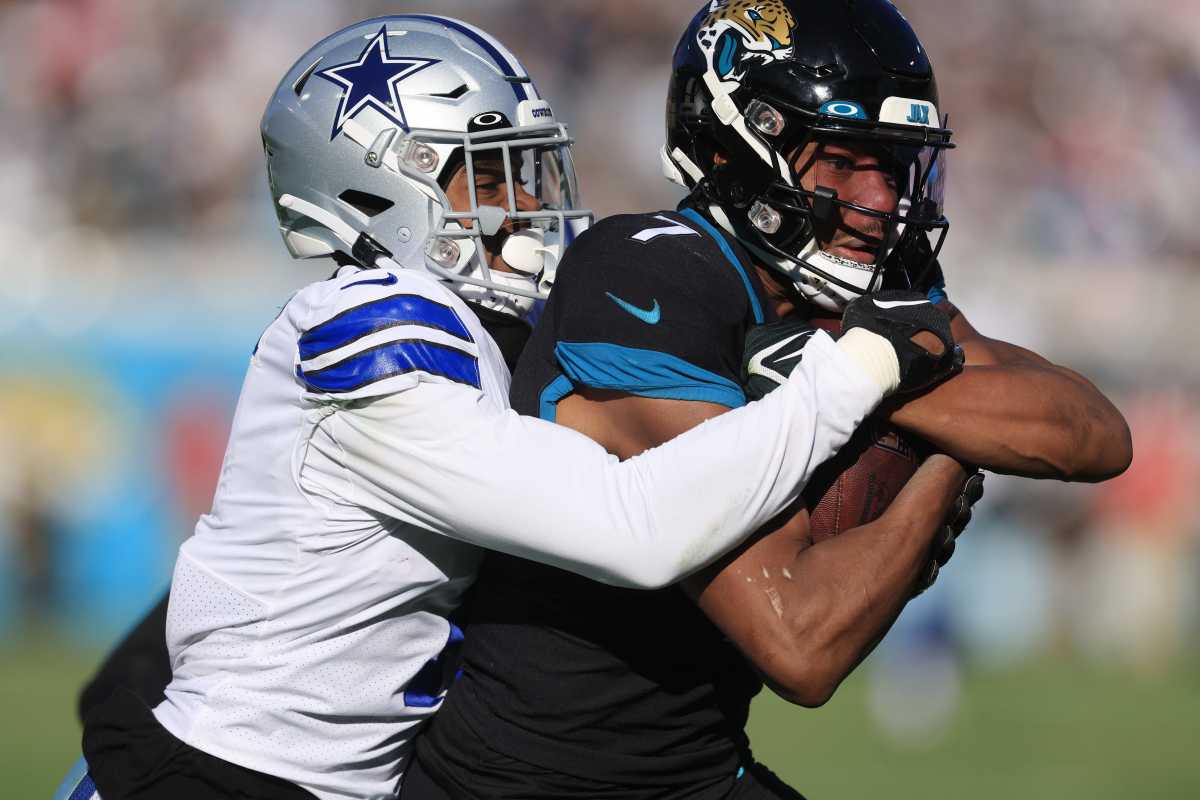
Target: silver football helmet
x: 366, y: 131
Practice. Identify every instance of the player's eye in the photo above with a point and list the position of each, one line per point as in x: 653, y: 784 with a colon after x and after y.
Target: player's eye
x: 836, y: 163
x: 488, y: 184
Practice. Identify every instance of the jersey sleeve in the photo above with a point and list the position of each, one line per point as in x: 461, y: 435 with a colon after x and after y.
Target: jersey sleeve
x: 650, y: 306
x: 373, y: 334
x: 436, y: 458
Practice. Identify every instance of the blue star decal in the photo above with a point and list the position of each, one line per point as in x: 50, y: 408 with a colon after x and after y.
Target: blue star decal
x: 371, y: 81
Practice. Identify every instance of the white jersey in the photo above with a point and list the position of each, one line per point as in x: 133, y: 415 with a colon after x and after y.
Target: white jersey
x: 293, y: 609
x: 372, y: 448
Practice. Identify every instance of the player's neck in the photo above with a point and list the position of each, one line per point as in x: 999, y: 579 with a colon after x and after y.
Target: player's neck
x: 786, y: 301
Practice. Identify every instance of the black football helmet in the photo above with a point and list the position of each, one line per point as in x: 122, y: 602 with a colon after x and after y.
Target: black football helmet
x: 754, y: 81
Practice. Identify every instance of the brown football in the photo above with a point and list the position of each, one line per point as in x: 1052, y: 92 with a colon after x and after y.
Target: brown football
x: 855, y: 486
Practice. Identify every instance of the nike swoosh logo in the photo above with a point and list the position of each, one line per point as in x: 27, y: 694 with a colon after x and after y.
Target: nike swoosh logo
x: 650, y: 315
x: 388, y: 281
x: 899, y: 303
x: 758, y: 365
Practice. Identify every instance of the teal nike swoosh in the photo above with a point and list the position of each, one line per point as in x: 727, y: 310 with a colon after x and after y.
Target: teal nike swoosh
x: 650, y: 315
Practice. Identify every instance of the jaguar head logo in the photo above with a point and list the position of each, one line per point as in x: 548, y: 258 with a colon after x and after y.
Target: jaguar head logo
x: 739, y: 33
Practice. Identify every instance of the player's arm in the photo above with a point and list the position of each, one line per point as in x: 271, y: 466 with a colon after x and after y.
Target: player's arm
x: 805, y: 616
x: 434, y: 456
x: 1012, y: 411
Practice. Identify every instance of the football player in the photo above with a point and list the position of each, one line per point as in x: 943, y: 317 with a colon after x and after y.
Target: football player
x: 373, y: 450
x: 809, y: 135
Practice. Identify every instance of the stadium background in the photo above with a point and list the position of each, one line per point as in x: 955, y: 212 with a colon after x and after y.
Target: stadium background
x: 1056, y: 657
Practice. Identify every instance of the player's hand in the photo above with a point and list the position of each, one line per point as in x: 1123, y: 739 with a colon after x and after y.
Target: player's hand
x: 955, y: 523
x: 917, y: 330
x: 771, y: 352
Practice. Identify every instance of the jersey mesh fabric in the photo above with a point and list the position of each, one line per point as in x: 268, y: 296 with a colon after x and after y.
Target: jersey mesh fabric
x: 569, y: 685
x: 295, y: 615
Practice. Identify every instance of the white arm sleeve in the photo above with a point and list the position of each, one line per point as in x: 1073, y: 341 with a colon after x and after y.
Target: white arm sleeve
x: 435, y: 456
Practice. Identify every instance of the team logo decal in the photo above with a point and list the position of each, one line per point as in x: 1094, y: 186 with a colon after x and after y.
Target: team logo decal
x: 372, y: 81
x: 737, y: 33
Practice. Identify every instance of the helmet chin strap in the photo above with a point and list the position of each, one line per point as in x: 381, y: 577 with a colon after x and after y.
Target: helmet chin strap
x: 335, y: 225
x: 504, y: 302
x: 824, y: 294
x: 533, y: 259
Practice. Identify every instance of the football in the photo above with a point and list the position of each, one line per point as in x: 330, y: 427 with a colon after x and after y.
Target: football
x: 856, y: 485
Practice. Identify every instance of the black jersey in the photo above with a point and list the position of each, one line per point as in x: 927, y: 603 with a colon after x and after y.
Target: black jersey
x: 574, y: 688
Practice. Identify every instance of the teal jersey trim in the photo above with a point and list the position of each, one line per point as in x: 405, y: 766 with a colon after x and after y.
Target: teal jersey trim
x: 556, y: 390
x: 695, y: 217
x: 647, y: 373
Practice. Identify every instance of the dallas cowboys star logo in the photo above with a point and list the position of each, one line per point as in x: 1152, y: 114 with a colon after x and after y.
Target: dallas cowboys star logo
x: 372, y: 80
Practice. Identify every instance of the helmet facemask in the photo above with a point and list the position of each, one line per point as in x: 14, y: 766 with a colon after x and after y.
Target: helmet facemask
x: 503, y: 199
x: 789, y: 227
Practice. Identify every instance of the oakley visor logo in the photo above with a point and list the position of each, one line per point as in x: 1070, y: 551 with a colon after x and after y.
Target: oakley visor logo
x: 843, y: 108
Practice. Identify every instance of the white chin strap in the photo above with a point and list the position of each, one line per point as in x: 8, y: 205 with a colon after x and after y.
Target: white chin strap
x: 533, y: 263
x: 815, y: 289
x: 498, y: 299
x: 523, y: 251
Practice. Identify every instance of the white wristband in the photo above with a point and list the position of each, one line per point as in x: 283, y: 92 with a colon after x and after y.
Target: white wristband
x: 874, y: 355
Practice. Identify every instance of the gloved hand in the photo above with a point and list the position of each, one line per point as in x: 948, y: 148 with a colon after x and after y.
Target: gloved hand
x: 956, y: 521
x: 900, y: 317
x: 771, y: 352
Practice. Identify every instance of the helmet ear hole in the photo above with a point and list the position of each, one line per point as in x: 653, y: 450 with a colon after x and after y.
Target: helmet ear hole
x: 365, y: 203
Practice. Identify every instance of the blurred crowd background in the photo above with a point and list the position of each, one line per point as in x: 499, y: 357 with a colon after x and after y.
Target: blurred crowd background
x: 139, y: 260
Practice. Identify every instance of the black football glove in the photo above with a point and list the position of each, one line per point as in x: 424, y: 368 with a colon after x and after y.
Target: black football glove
x: 771, y: 351
x: 956, y: 521
x: 898, y: 316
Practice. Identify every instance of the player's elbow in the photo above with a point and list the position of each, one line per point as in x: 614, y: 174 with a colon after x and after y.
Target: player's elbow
x: 802, y: 666
x: 643, y: 570
x: 810, y: 684
x: 1103, y: 448
x: 1116, y: 449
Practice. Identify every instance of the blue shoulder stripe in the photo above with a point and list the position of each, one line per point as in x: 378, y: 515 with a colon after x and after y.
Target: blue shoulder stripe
x: 648, y: 373
x: 387, y: 312
x: 389, y: 360
x: 728, y: 251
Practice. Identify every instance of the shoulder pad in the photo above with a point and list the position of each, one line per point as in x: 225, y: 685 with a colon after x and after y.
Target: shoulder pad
x: 372, y: 326
x: 661, y: 226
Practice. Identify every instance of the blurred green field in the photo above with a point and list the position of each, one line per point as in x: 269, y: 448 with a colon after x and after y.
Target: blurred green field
x: 1047, y: 730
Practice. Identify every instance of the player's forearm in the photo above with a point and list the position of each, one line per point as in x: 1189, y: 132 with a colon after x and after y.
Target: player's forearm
x: 1024, y: 418
x: 840, y: 596
x: 543, y: 492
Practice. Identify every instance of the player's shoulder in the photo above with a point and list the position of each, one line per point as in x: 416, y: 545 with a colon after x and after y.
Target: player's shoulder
x: 358, y: 301
x: 364, y: 330
x: 648, y: 231
x: 666, y: 244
